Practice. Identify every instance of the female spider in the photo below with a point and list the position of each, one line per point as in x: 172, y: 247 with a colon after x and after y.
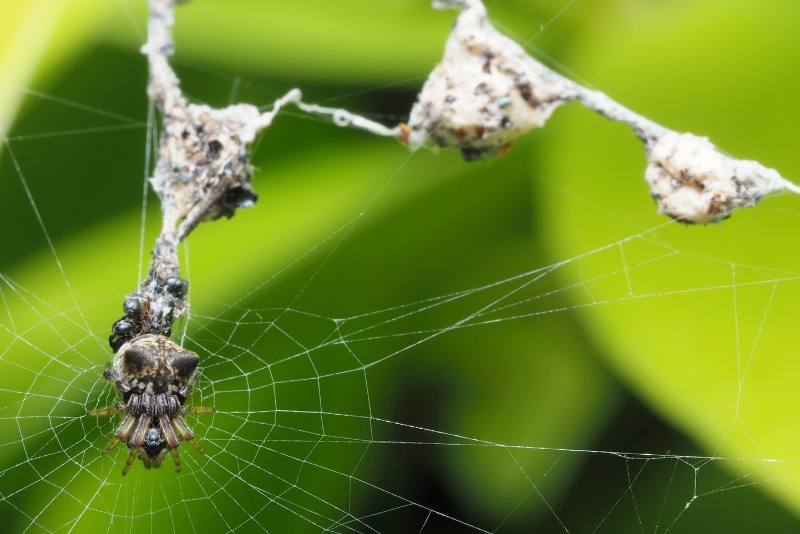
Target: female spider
x: 154, y: 375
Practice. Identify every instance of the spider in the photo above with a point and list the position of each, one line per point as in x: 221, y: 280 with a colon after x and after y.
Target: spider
x: 154, y: 375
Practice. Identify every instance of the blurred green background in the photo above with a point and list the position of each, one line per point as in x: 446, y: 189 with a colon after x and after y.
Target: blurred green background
x: 587, y: 325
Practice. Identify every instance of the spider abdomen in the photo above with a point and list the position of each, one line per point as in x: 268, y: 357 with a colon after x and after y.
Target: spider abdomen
x: 153, y: 364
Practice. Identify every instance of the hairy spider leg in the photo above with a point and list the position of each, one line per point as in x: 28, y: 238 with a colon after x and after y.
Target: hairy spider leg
x: 183, y: 430
x: 126, y: 426
x: 160, y: 458
x: 129, y: 461
x: 175, y: 456
x: 198, y: 409
x: 122, y: 433
x: 156, y: 462
x: 123, y: 387
x: 108, y: 410
x: 137, y: 436
x: 181, y: 427
x: 193, y: 410
x: 136, y: 439
x: 187, y: 388
x: 167, y: 431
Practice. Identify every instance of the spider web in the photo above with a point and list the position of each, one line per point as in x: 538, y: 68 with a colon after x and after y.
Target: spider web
x: 401, y: 343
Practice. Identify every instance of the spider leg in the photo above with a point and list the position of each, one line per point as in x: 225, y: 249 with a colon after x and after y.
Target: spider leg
x: 175, y: 456
x: 144, y: 458
x: 122, y: 385
x: 110, y: 446
x: 198, y: 409
x: 167, y: 431
x: 122, y: 433
x: 186, y: 389
x: 160, y: 458
x: 129, y: 461
x: 108, y: 410
x: 136, y: 438
x: 125, y: 428
x: 183, y: 430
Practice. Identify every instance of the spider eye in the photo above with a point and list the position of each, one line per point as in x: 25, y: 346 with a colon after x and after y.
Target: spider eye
x: 157, y: 360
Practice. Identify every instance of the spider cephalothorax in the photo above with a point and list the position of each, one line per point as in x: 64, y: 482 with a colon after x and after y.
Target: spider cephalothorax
x: 154, y: 375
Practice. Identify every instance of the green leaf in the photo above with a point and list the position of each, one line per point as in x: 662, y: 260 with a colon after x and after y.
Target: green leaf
x: 698, y: 320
